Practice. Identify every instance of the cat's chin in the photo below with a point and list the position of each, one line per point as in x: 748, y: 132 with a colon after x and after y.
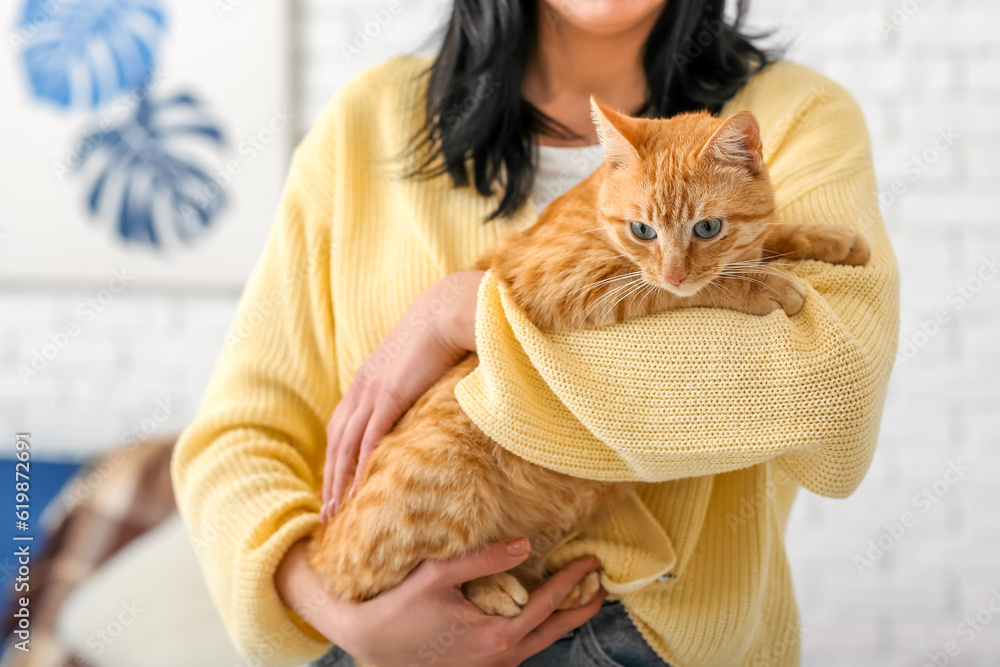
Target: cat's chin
x: 683, y: 291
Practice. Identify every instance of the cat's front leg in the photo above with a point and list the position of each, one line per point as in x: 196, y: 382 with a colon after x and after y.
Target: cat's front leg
x: 498, y: 594
x: 836, y: 244
x: 758, y: 292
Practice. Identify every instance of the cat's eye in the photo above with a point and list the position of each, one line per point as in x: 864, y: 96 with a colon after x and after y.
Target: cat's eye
x: 643, y: 232
x: 707, y: 229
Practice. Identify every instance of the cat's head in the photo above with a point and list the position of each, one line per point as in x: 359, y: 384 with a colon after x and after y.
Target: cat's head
x: 685, y: 196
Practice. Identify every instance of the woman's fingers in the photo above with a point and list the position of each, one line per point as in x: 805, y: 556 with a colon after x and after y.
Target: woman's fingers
x: 540, y: 623
x: 347, y: 454
x: 379, y: 425
x: 334, y: 431
x: 545, y: 600
x: 558, y: 624
x: 328, y: 466
x: 490, y: 559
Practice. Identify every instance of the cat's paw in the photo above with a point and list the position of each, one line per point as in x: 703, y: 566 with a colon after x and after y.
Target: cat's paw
x: 837, y: 244
x: 497, y: 595
x: 583, y: 592
x: 782, y: 290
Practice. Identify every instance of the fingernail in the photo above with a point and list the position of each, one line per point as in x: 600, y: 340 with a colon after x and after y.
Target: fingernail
x: 595, y: 563
x: 518, y: 547
x: 351, y: 494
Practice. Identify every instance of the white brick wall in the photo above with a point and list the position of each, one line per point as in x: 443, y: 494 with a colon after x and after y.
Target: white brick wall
x: 939, y: 69
x: 143, y: 347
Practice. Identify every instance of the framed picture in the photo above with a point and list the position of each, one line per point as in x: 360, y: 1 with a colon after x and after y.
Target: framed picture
x: 149, y: 137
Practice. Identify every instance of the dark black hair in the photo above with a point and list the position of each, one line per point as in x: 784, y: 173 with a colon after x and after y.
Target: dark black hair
x: 693, y: 59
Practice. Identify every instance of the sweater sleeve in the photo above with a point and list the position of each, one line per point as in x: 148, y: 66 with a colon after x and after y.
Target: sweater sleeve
x: 701, y: 391
x: 244, y: 472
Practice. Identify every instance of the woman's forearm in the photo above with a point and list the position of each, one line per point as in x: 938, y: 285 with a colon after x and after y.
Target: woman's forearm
x: 437, y: 331
x: 302, y: 590
x: 458, y: 293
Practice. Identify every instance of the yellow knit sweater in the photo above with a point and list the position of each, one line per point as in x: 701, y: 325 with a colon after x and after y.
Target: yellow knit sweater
x: 720, y: 416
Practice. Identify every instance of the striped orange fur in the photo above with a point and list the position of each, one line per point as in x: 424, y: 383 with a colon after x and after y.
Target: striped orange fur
x: 437, y: 486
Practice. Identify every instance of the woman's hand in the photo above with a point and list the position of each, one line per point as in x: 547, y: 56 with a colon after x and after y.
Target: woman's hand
x: 434, y: 334
x: 426, y: 615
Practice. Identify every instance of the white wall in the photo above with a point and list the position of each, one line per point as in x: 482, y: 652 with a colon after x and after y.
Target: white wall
x: 935, y: 70
x: 938, y: 71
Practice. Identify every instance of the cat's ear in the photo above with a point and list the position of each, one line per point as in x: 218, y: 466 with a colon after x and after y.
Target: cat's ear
x: 617, y: 133
x: 737, y: 142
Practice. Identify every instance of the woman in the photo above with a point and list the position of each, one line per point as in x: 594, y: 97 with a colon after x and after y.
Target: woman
x: 360, y: 302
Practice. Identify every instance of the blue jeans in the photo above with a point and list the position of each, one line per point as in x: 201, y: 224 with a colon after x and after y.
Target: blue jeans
x: 609, y: 639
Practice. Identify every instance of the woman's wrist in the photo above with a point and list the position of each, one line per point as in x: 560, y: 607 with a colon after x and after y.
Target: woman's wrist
x: 302, y: 591
x: 458, y: 292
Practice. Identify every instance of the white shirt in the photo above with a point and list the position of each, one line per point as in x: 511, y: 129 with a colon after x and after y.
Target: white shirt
x: 560, y: 168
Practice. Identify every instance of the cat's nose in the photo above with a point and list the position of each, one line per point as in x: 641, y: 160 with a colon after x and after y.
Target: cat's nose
x: 676, y: 277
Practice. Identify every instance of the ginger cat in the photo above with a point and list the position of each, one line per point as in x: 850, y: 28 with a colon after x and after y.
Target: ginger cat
x: 678, y: 215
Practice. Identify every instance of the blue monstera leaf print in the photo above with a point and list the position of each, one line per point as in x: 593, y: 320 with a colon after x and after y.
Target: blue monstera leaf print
x: 144, y: 177
x: 84, y: 53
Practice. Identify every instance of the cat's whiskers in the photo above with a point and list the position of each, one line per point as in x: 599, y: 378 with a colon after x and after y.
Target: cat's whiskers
x: 763, y: 260
x: 751, y: 270
x: 597, y: 284
x: 721, y: 287
x: 636, y: 288
x: 712, y: 285
x: 631, y: 294
x: 755, y: 271
x: 641, y: 293
x: 751, y: 280
x: 603, y: 281
x: 610, y: 293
